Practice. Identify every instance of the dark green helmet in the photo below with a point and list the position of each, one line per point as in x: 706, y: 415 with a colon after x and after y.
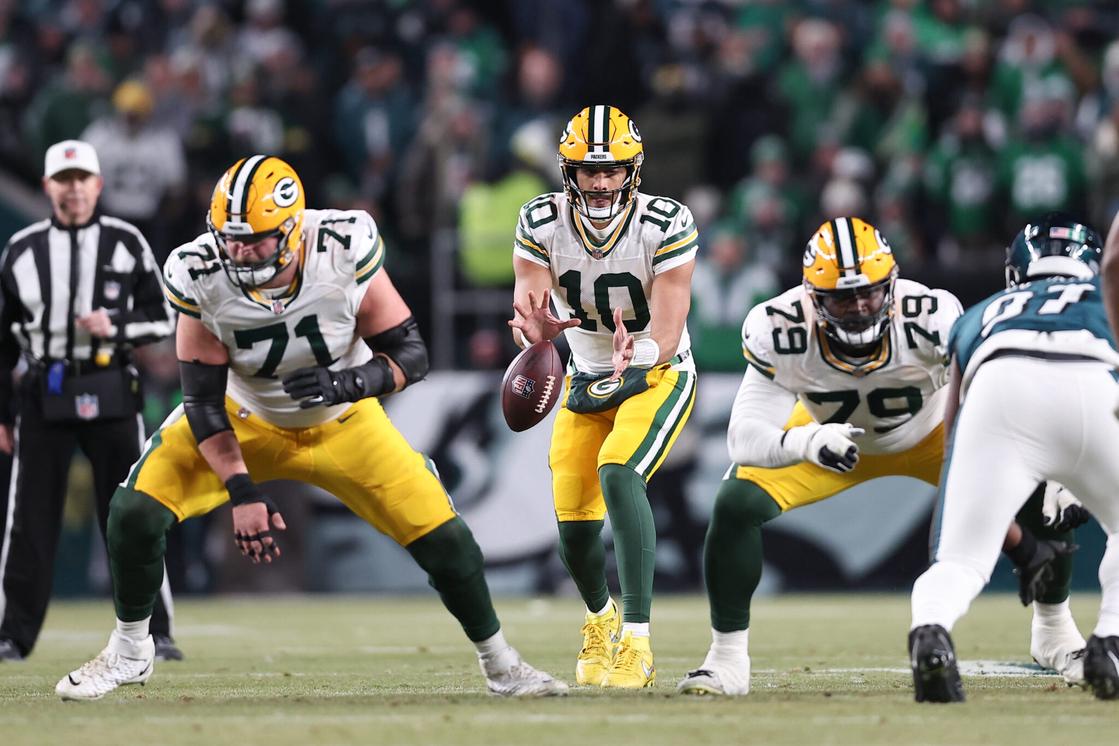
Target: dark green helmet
x: 1057, y: 245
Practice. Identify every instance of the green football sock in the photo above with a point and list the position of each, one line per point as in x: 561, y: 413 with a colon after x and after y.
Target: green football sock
x: 635, y: 538
x: 455, y: 568
x: 1031, y: 517
x: 732, y: 552
x: 584, y: 556
x: 137, y: 539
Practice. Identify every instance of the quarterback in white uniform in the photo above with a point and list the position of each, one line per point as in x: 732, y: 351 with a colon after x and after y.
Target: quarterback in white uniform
x: 289, y: 330
x: 618, y: 266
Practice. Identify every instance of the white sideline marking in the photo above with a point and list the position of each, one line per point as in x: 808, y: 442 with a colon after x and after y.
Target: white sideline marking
x: 1006, y: 669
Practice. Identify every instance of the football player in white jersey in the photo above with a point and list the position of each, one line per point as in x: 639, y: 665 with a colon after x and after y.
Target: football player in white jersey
x: 844, y: 384
x: 1033, y: 369
x: 289, y: 329
x: 618, y: 266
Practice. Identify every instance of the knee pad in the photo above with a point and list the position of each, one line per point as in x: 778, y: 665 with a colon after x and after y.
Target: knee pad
x: 743, y: 503
x: 136, y: 519
x: 579, y: 533
x: 448, y: 554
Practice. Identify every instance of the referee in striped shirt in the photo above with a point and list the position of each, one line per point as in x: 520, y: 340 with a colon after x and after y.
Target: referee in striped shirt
x: 77, y: 292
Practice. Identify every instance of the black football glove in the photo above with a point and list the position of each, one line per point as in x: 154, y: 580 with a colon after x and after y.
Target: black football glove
x: 1036, y: 574
x: 832, y: 446
x: 319, y: 386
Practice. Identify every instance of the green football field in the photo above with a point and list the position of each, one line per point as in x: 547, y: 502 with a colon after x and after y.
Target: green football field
x: 328, y: 670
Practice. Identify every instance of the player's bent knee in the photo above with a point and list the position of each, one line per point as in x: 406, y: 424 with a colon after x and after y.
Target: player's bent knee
x: 743, y: 503
x: 975, y: 571
x: 449, y: 553
x: 135, y: 518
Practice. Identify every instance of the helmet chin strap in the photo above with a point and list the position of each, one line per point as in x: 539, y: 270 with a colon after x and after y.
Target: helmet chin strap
x: 851, y: 351
x: 609, y: 212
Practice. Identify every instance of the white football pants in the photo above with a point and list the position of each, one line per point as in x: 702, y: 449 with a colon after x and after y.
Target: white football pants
x: 1023, y: 421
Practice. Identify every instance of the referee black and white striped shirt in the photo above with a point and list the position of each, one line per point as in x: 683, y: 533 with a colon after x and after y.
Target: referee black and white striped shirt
x: 50, y: 274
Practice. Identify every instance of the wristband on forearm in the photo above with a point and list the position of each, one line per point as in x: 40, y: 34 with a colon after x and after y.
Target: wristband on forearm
x: 372, y: 378
x: 243, y: 490
x: 646, y: 353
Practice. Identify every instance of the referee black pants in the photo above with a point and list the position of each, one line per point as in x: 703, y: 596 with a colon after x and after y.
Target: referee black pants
x: 36, y: 494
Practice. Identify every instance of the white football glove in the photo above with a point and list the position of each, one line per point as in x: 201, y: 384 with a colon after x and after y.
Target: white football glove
x: 1060, y: 508
x: 830, y: 446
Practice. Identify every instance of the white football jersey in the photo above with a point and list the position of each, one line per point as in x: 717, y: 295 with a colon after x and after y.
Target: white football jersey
x: 898, y: 397
x: 269, y: 337
x: 594, y: 274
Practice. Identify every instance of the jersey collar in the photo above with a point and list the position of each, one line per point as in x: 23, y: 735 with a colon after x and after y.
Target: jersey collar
x: 599, y: 249
x: 885, y: 351
x: 276, y: 304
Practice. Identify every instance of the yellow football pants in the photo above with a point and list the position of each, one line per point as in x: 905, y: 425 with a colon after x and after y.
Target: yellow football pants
x: 638, y: 433
x: 360, y: 458
x: 806, y: 483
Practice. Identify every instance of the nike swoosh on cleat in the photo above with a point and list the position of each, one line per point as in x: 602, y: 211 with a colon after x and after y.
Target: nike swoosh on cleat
x: 345, y: 417
x: 647, y: 669
x: 71, y: 677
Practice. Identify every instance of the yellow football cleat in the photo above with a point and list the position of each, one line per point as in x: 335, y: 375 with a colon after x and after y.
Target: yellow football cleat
x: 600, y: 640
x: 633, y: 665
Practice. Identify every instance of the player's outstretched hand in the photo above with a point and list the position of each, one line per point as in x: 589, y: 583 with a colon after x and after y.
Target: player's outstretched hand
x: 1035, y: 577
x: 536, y: 320
x: 623, y: 346
x: 252, y: 524
x: 832, y: 447
x: 1061, y: 510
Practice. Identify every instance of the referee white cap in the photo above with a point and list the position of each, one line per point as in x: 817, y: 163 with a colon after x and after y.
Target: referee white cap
x: 70, y: 154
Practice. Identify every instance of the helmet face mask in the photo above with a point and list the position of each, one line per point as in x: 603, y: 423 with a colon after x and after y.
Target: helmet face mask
x: 856, y: 317
x: 258, y: 198
x: 600, y: 137
x: 1057, y: 245
x: 849, y: 275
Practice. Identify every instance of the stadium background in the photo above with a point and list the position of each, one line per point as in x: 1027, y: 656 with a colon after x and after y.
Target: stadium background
x: 947, y: 123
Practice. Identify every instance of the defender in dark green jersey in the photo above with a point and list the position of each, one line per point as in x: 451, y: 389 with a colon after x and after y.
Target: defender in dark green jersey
x: 1033, y: 372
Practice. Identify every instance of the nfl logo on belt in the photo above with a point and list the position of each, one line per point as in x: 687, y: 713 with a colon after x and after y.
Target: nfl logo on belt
x: 88, y: 406
x: 523, y: 386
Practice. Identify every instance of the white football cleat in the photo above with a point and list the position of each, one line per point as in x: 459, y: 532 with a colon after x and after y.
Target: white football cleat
x: 1059, y: 646
x: 718, y: 677
x: 121, y: 662
x: 522, y: 680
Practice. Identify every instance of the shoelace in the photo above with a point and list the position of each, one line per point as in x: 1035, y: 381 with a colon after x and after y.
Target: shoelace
x: 104, y: 661
x: 627, y: 657
x: 594, y: 636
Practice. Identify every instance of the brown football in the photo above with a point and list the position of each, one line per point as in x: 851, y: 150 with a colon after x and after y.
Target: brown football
x: 532, y: 384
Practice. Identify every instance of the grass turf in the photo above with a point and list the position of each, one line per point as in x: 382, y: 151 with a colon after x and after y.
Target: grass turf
x: 326, y: 670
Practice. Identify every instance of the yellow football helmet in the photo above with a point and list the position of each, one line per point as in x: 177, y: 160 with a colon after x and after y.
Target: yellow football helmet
x: 600, y: 137
x: 849, y: 273
x: 258, y: 197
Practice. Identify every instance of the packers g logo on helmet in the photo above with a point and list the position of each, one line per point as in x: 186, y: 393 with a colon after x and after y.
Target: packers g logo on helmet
x: 849, y: 273
x: 600, y: 137
x: 257, y: 198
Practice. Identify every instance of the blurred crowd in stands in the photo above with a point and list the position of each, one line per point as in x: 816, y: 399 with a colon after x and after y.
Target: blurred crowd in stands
x: 947, y: 123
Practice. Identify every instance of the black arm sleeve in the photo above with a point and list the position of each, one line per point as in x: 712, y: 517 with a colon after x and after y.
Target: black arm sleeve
x: 204, y: 398
x: 404, y: 346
